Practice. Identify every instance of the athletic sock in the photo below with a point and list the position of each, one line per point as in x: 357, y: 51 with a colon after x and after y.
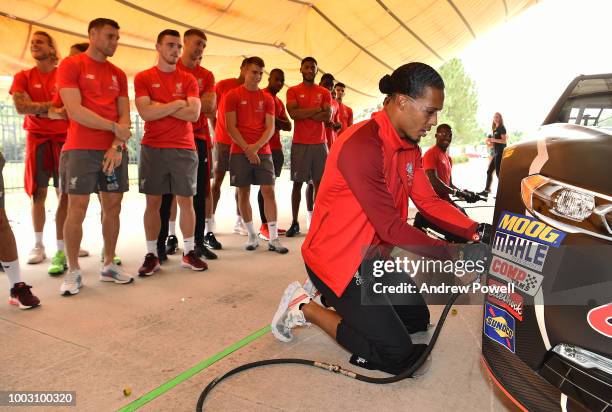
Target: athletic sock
x: 239, y: 220
x: 251, y: 230
x: 188, y: 244
x: 308, y: 218
x: 212, y: 223
x: 172, y: 228
x: 12, y: 271
x: 38, y: 238
x: 152, y: 247
x: 207, y: 225
x: 273, y: 229
x: 60, y: 245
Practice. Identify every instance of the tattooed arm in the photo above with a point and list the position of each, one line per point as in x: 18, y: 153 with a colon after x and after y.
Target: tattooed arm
x: 25, y: 105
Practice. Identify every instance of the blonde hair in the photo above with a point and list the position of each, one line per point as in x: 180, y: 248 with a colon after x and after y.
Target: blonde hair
x: 55, y: 55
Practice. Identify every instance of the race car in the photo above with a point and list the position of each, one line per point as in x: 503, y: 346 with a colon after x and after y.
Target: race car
x: 547, y: 342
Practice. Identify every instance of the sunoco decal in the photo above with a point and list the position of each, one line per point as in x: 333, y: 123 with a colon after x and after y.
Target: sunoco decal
x: 524, y: 279
x: 499, y: 326
x: 519, y: 250
x: 529, y: 228
x: 512, y: 302
x: 600, y: 319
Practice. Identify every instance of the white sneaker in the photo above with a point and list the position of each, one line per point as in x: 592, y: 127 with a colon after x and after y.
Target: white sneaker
x: 37, y: 255
x: 252, y: 244
x: 72, y: 283
x: 240, y: 228
x: 288, y: 315
x: 275, y: 246
x: 114, y: 273
x: 312, y: 291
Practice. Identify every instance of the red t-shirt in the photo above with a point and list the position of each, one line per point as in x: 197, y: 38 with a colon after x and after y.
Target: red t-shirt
x: 167, y: 132
x: 308, y: 131
x: 345, y: 116
x: 440, y: 161
x: 330, y: 132
x: 251, y: 108
x: 100, y: 84
x: 221, y: 89
x: 41, y: 87
x: 279, y: 112
x: 206, y: 84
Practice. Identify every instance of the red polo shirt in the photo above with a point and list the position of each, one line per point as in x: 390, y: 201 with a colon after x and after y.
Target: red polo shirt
x: 206, y: 84
x: 438, y: 160
x: 345, y: 114
x: 221, y: 89
x: 330, y: 132
x: 165, y: 87
x: 279, y: 112
x: 100, y: 84
x: 308, y: 131
x: 251, y: 108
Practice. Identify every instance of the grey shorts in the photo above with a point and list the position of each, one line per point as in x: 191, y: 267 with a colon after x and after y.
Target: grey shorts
x: 2, y: 162
x: 163, y: 171
x: 42, y: 176
x: 307, y: 161
x: 221, y: 156
x: 81, y: 173
x: 243, y: 173
x: 278, y: 158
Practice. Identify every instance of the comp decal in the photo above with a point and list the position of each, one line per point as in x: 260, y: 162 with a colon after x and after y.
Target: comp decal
x: 600, y: 319
x: 519, y: 250
x: 512, y: 302
x: 499, y: 326
x: 529, y: 228
x: 525, y: 280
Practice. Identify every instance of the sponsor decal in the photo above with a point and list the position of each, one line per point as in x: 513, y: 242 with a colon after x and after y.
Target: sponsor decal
x: 410, y: 171
x: 523, y: 279
x: 530, y: 228
x: 499, y: 326
x: 526, y: 252
x: 200, y: 83
x: 600, y: 319
x: 38, y: 86
x: 115, y: 84
x: 90, y: 76
x: 512, y: 302
x: 73, y: 182
x: 155, y: 85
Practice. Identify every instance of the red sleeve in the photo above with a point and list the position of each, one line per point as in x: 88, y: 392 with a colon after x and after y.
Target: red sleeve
x: 430, y: 160
x: 349, y: 122
x: 282, y: 113
x: 438, y: 211
x: 326, y: 98
x: 209, y: 82
x: 123, y: 85
x: 231, y: 101
x: 218, y: 91
x: 361, y: 163
x: 291, y: 98
x: 68, y: 74
x: 140, y: 85
x: 192, y: 86
x: 20, y: 83
x: 269, y: 104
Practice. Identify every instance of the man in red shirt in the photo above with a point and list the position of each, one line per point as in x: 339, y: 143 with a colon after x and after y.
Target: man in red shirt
x: 94, y: 159
x: 33, y: 93
x: 309, y: 106
x: 168, y: 100
x: 438, y: 168
x: 20, y: 293
x: 195, y: 43
x: 363, y: 203
x: 276, y: 82
x: 222, y: 144
x: 249, y: 116
x: 345, y: 113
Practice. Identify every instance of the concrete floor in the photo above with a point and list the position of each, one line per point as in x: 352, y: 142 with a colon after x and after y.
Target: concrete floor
x: 139, y: 336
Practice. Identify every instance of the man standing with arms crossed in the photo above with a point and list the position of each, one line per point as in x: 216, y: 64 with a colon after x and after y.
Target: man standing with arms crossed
x: 249, y: 115
x: 33, y: 93
x: 94, y: 159
x: 195, y: 43
x: 345, y: 113
x: 168, y: 101
x: 276, y: 81
x: 309, y: 106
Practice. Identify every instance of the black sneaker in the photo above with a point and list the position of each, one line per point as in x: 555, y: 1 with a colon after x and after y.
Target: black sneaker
x: 202, y: 251
x: 211, y: 241
x: 171, y: 245
x: 161, y: 254
x: 293, y: 230
x: 484, y: 193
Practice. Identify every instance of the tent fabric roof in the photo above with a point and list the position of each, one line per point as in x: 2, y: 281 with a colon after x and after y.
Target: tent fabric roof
x: 358, y: 41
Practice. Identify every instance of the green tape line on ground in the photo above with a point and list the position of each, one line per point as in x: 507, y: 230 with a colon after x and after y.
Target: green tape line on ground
x: 160, y: 390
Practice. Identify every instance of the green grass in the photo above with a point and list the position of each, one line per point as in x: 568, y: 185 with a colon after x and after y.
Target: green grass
x: 460, y: 159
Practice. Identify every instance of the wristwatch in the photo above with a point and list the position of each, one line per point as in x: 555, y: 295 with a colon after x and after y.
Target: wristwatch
x: 119, y: 148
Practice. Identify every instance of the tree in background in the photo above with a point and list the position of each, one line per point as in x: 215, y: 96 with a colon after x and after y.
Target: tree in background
x: 460, y: 104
